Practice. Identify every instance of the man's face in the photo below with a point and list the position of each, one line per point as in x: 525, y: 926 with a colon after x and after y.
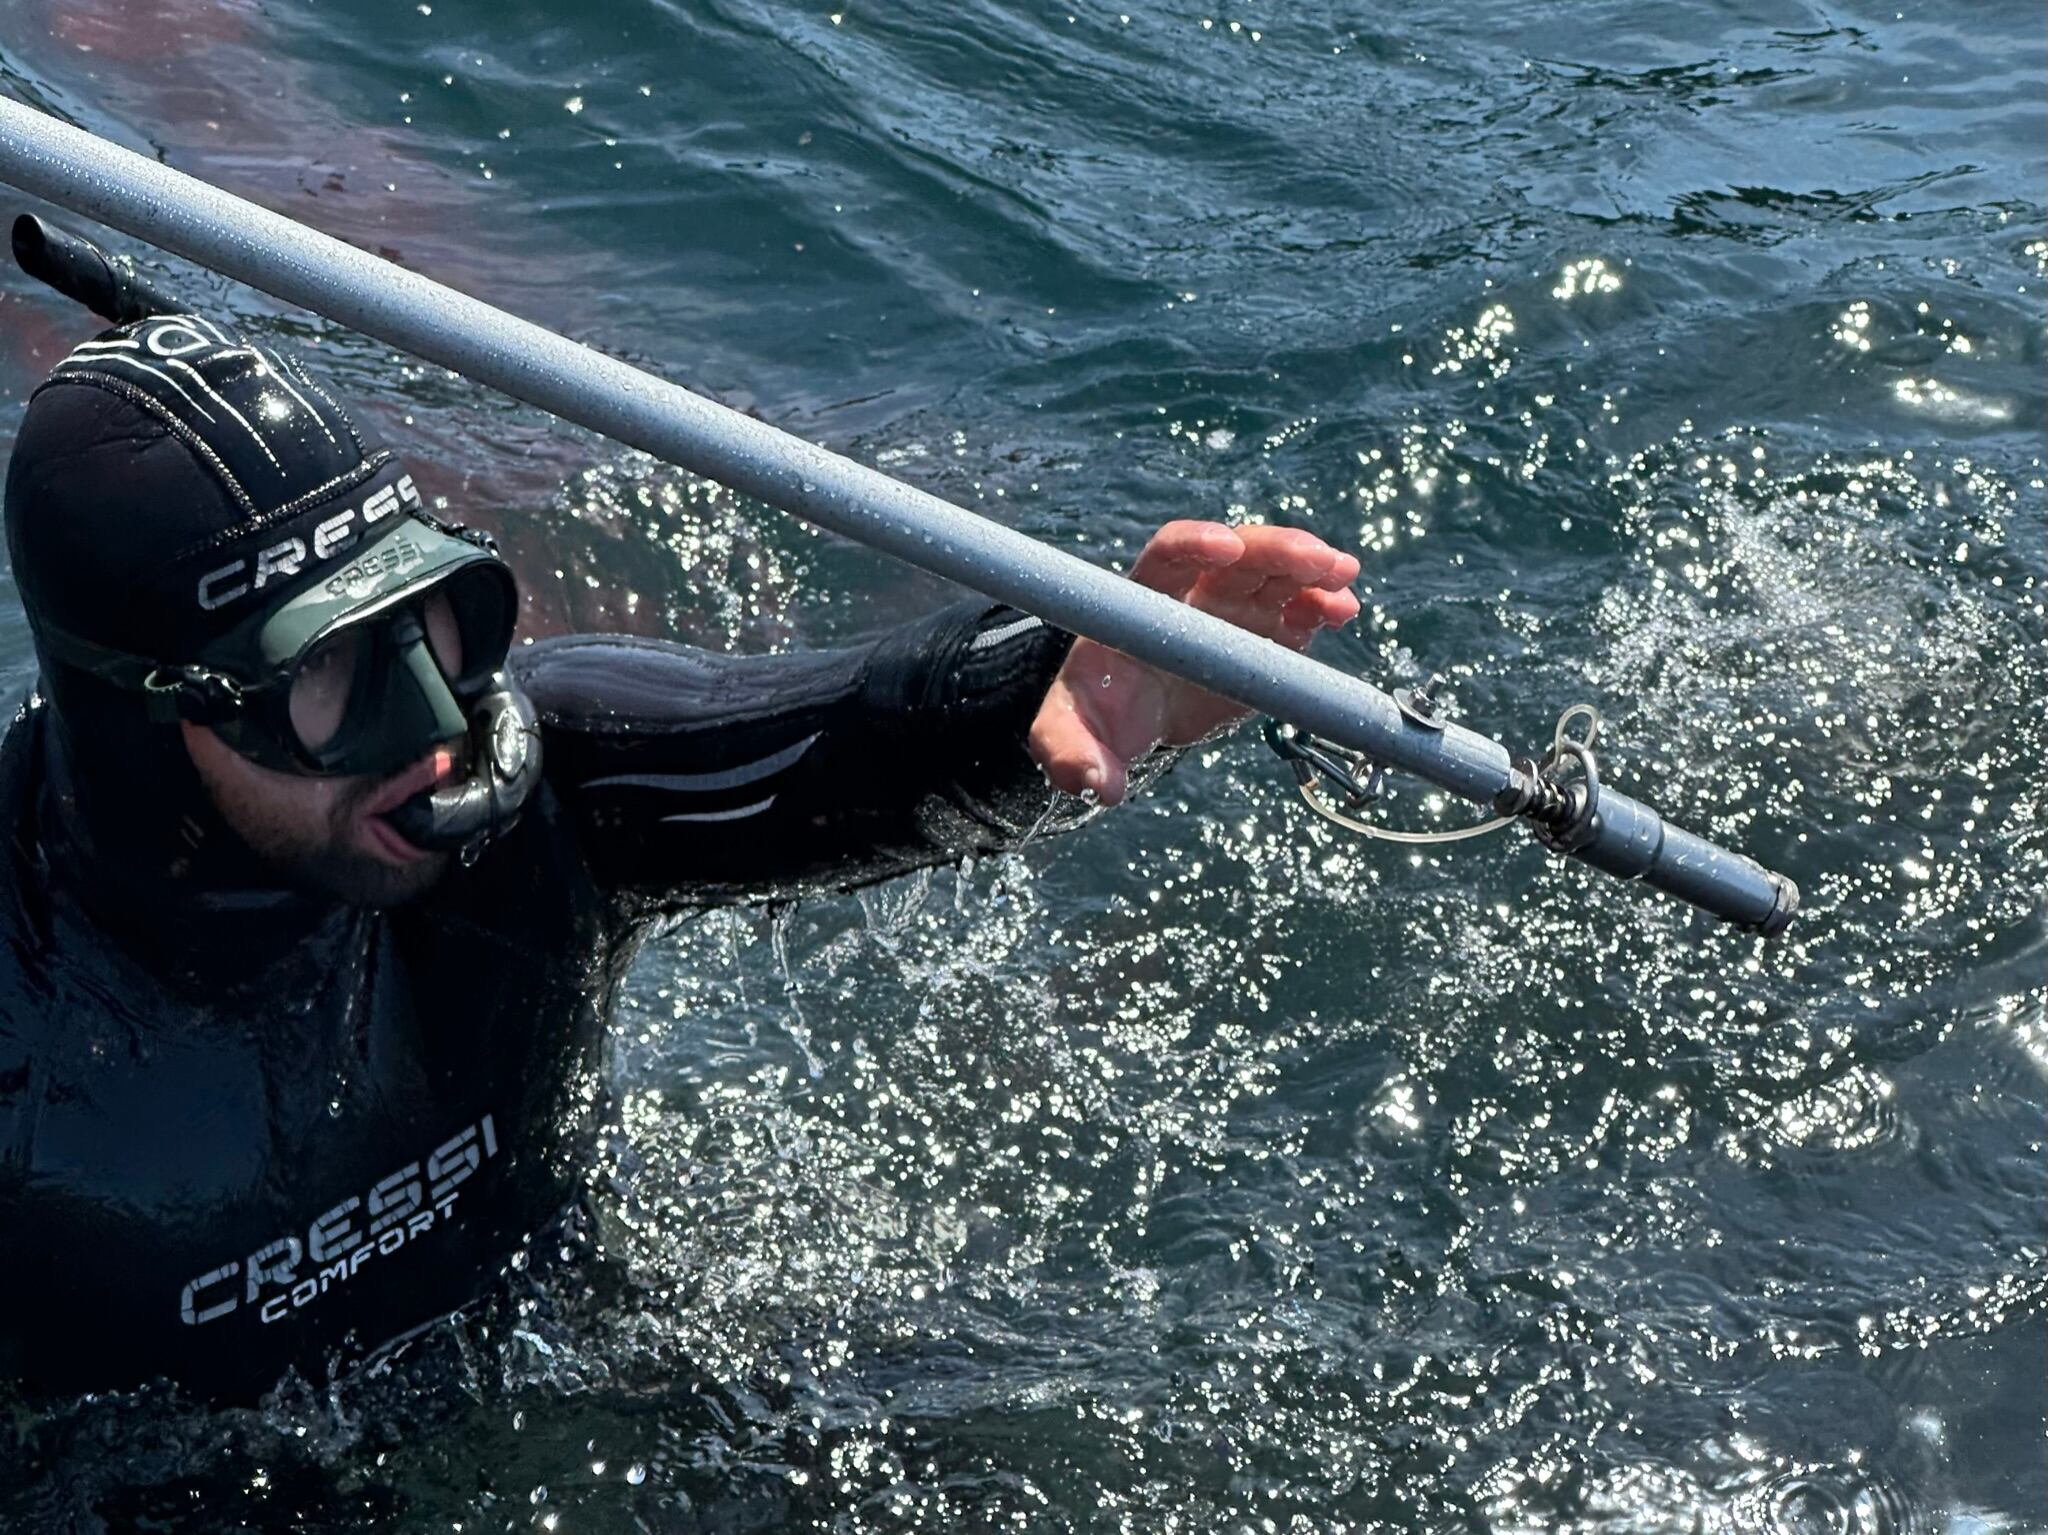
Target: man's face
x: 325, y: 834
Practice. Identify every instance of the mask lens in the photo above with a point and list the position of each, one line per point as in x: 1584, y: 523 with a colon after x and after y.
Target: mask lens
x: 321, y: 687
x: 468, y: 619
x: 444, y: 634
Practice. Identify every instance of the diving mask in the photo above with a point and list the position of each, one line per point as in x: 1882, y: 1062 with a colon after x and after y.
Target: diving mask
x: 362, y: 672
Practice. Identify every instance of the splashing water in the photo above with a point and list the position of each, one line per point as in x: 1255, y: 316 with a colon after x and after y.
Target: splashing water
x: 1208, y: 1169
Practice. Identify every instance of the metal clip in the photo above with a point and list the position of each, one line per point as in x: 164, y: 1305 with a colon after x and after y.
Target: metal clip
x: 1311, y: 759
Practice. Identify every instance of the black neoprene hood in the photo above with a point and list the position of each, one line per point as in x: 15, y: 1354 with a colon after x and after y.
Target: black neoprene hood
x: 170, y: 475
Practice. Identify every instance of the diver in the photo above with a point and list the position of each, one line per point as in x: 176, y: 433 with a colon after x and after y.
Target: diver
x: 319, y: 888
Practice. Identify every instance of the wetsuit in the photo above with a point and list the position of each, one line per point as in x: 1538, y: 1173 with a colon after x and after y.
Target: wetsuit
x: 243, y: 1128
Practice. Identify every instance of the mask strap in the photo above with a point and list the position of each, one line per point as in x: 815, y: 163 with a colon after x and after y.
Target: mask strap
x: 171, y: 691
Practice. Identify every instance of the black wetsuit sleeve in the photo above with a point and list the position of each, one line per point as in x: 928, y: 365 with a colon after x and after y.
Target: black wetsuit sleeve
x: 696, y: 778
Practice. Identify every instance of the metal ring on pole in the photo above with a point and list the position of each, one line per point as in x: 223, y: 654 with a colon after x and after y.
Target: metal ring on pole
x: 1572, y: 827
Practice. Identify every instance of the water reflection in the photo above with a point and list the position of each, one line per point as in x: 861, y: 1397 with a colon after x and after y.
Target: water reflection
x: 1218, y: 1170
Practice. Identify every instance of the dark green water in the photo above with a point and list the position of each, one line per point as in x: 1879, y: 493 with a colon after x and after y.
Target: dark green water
x: 1207, y: 1170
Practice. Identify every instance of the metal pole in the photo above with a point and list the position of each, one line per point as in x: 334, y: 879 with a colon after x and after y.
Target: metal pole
x: 152, y: 202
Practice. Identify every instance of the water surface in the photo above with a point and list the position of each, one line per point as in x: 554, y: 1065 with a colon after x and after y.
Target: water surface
x: 1210, y: 1170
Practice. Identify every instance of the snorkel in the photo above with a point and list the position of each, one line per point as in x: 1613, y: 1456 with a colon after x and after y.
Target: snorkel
x: 462, y: 818
x: 334, y: 627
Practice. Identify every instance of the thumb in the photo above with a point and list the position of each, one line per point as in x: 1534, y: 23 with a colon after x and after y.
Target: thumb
x: 1074, y: 758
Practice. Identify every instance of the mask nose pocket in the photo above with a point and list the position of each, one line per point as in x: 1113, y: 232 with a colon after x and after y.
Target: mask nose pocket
x: 420, y: 708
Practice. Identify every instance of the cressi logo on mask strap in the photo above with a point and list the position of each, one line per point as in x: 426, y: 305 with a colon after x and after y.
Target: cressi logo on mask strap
x: 290, y: 556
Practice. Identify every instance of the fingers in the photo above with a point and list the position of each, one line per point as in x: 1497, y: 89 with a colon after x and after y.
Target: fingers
x: 1239, y: 561
x: 1290, y: 557
x: 1182, y: 552
x: 1317, y: 609
x: 1342, y: 573
x: 1288, y: 585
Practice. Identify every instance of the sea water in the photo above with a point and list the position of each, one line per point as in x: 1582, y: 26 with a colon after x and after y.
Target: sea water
x: 1209, y: 1169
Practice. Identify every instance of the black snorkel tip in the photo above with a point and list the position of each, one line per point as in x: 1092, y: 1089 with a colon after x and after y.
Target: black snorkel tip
x: 109, y: 286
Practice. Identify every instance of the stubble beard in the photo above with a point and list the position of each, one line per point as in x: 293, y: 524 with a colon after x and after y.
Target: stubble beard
x: 335, y: 866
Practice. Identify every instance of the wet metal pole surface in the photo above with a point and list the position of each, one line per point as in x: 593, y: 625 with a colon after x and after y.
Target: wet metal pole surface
x: 179, y: 213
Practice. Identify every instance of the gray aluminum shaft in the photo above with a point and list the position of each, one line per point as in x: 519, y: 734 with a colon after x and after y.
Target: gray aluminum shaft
x: 204, y: 224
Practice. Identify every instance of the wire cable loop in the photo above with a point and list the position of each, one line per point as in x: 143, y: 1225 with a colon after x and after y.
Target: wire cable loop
x: 1315, y: 761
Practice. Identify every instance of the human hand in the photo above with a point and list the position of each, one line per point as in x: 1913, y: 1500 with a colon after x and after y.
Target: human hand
x: 1104, y: 710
